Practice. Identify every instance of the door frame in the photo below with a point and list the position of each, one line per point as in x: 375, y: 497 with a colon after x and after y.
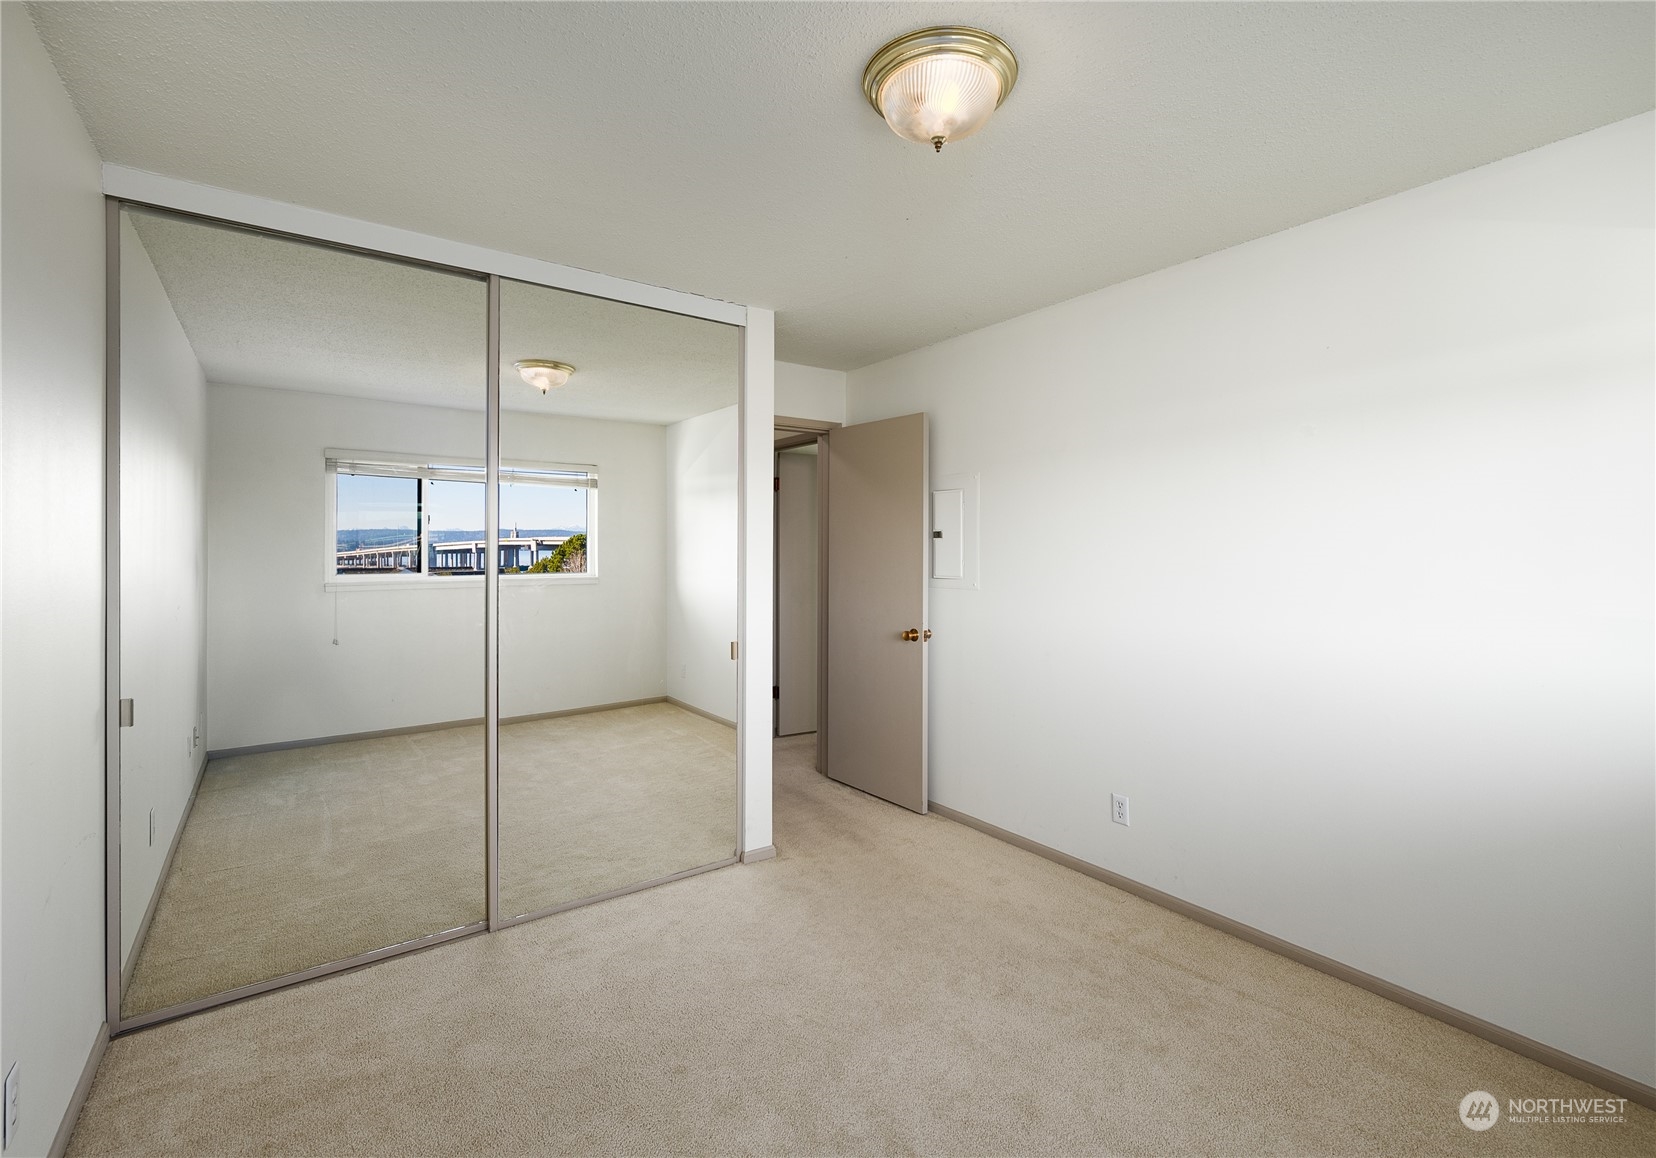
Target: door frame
x: 753, y: 647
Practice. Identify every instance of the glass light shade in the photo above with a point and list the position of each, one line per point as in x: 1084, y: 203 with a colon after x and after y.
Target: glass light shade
x: 939, y: 98
x: 543, y: 375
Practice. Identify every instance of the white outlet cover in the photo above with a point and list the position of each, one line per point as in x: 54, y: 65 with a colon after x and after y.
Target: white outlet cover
x: 1118, y: 809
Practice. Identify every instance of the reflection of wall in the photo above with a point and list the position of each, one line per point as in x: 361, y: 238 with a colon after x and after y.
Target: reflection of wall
x: 571, y: 645
x: 51, y: 605
x: 163, y: 575
x: 410, y: 655
x: 1333, y: 551
x: 701, y: 605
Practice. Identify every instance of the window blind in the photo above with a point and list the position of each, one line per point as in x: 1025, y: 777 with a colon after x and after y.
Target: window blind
x: 472, y: 474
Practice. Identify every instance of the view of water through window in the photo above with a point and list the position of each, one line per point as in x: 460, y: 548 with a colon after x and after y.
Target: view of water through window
x: 543, y: 526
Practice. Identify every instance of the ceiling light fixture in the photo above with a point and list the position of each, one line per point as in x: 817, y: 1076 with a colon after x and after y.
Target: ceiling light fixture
x: 544, y: 375
x: 940, y: 84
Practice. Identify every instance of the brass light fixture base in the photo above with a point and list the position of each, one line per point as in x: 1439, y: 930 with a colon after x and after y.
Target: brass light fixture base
x: 955, y: 38
x: 543, y: 364
x: 527, y: 367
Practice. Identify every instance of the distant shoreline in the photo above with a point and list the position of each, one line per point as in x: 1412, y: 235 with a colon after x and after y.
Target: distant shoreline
x: 365, y: 537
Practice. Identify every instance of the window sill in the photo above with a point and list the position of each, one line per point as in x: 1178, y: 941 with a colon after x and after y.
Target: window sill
x: 440, y: 582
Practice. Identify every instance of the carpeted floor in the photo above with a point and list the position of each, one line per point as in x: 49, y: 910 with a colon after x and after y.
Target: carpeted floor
x: 890, y: 983
x: 300, y: 857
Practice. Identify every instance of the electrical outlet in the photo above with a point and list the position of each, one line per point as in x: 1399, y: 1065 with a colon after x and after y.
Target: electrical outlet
x: 1118, y: 809
x: 195, y: 738
x: 11, y: 1105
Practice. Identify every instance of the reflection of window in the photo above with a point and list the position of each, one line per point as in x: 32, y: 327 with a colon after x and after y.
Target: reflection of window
x: 410, y: 518
x: 377, y: 525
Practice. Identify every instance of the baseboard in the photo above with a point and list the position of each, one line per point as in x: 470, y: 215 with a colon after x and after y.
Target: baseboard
x: 1618, y: 1084
x: 755, y: 855
x: 702, y: 712
x: 160, y: 881
x: 583, y: 711
x: 77, y: 1100
x: 413, y: 729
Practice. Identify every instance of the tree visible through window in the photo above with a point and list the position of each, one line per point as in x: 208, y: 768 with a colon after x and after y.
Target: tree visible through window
x: 569, y: 557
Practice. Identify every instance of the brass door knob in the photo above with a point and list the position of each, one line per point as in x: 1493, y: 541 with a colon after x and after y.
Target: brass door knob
x: 926, y: 634
x: 912, y: 635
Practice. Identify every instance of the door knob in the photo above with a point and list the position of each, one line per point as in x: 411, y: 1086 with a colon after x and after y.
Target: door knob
x: 912, y: 635
x: 926, y: 634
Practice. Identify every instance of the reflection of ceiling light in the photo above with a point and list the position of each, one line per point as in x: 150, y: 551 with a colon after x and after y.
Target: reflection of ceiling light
x: 940, y: 84
x: 544, y: 375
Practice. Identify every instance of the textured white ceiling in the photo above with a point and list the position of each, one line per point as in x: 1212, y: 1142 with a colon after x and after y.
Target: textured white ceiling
x: 726, y: 149
x: 264, y: 311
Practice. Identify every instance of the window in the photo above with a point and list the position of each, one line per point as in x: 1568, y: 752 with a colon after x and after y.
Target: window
x: 396, y: 517
x: 377, y: 521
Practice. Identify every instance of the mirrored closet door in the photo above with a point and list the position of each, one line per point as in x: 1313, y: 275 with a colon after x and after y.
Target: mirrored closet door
x: 301, y: 441
x: 324, y: 598
x: 618, y: 596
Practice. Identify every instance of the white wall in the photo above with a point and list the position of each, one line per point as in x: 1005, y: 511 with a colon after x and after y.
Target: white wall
x: 163, y: 575
x: 701, y: 463
x: 1333, y: 551
x: 51, y: 585
x: 810, y: 392
x: 411, y: 653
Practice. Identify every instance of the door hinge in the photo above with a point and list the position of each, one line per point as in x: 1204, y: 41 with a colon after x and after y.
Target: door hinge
x: 776, y: 483
x: 126, y: 713
x: 776, y: 692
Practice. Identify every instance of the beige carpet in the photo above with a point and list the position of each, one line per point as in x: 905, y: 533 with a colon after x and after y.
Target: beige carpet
x: 889, y: 984
x: 296, y: 858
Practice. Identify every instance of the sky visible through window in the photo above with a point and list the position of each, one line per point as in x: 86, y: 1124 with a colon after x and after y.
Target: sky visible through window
x: 371, y: 501
x: 367, y: 500
x: 538, y: 508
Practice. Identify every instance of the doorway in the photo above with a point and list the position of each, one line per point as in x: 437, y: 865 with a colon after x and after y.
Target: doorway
x: 853, y: 512
x: 799, y: 578
x: 798, y: 591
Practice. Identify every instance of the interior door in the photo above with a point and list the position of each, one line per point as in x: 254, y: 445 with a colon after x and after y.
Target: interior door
x: 875, y: 730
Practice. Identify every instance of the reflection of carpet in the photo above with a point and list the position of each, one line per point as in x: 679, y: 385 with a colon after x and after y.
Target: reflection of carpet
x: 889, y: 984
x: 299, y: 857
